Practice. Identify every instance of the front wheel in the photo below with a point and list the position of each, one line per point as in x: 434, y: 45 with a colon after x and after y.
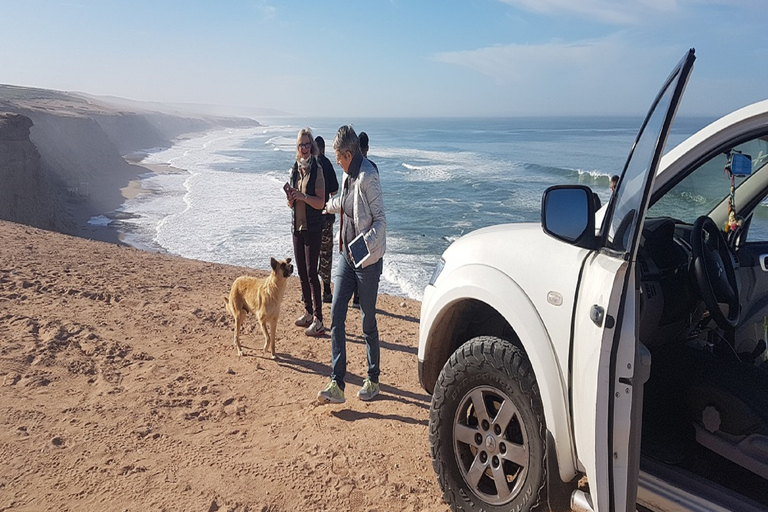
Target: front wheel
x: 486, y: 429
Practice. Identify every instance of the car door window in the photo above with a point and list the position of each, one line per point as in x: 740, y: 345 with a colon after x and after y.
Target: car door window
x: 707, y: 188
x: 635, y: 178
x: 697, y: 194
x: 758, y: 228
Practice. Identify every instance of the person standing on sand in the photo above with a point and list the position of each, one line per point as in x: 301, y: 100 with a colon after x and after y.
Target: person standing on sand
x: 361, y: 208
x: 326, y: 244
x: 306, y: 196
x: 363, y: 137
x: 364, y: 148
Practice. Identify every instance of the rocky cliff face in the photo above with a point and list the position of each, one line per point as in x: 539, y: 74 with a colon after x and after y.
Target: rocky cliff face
x: 62, y: 155
x: 78, y: 152
x: 27, y: 194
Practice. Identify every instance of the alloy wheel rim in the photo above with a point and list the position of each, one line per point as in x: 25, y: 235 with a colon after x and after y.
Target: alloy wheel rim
x: 491, y: 445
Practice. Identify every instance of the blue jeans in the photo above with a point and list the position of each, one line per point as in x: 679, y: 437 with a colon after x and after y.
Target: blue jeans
x: 366, y: 280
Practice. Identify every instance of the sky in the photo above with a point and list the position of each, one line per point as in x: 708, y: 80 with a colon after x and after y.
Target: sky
x: 392, y: 58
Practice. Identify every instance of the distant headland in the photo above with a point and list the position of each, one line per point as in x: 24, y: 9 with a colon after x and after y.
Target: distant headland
x: 65, y: 157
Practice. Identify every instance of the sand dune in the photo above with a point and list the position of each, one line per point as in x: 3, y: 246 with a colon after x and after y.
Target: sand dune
x: 121, y: 390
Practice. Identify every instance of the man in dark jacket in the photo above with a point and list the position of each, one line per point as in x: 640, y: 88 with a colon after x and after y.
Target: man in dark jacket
x: 326, y: 245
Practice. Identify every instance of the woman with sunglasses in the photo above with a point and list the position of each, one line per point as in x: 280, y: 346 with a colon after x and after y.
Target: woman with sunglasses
x: 306, y: 196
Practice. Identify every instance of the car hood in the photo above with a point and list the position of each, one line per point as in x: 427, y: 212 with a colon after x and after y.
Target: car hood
x: 540, y: 265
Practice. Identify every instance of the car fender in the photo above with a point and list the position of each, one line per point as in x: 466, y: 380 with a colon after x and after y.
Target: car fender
x: 490, y: 286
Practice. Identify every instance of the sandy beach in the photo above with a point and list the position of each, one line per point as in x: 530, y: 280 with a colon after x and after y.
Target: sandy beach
x: 120, y: 386
x: 121, y: 390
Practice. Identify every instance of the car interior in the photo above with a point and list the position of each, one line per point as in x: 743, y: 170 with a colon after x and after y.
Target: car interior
x: 703, y: 270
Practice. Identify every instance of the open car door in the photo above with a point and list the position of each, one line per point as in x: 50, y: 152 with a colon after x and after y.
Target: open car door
x: 609, y: 366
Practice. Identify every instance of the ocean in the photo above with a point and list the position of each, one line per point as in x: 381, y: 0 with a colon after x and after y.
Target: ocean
x: 441, y: 178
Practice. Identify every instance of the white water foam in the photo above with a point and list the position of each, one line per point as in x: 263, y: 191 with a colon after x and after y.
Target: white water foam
x: 99, y: 220
x: 240, y: 218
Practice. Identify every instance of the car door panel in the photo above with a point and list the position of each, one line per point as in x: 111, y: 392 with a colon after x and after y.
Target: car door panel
x: 605, y: 349
x: 602, y: 286
x: 753, y: 281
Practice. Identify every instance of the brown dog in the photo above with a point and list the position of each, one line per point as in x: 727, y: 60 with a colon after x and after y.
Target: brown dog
x: 261, y: 297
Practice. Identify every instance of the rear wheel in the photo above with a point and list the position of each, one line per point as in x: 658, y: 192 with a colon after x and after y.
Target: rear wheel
x: 486, y: 429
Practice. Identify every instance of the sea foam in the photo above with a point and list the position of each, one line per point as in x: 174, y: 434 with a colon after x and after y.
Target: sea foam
x: 441, y: 179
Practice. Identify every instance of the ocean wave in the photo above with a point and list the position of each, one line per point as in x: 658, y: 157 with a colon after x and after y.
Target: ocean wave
x: 282, y: 143
x: 99, y: 220
x: 406, y: 274
x: 432, y: 173
x: 229, y: 207
x: 594, y: 174
x: 201, y: 153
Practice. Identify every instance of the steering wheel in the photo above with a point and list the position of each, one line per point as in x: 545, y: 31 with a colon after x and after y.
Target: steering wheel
x: 715, y: 273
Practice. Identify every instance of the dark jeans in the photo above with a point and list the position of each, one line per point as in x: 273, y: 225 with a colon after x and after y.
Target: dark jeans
x: 306, y: 249
x: 366, y: 280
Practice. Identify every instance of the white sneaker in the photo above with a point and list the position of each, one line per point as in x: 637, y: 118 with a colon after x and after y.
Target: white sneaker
x: 315, y: 329
x: 304, y: 320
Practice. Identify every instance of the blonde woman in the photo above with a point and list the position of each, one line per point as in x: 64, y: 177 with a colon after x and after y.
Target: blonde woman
x: 306, y: 197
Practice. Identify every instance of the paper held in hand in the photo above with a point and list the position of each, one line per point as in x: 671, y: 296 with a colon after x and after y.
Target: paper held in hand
x: 358, y: 249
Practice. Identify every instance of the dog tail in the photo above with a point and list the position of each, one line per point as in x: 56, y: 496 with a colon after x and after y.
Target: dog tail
x: 228, y: 305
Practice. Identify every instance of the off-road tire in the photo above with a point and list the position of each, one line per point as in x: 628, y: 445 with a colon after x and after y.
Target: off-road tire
x: 500, y: 373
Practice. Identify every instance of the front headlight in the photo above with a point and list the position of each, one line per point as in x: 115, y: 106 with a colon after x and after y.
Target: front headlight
x: 438, y: 269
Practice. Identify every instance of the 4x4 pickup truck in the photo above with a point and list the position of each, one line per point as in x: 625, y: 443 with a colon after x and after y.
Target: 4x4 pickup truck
x: 617, y: 355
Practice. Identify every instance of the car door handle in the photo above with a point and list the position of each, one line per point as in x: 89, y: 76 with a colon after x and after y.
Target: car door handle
x: 597, y: 314
x: 763, y: 265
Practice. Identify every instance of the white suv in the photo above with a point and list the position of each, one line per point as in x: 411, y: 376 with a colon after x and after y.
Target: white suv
x: 626, y: 345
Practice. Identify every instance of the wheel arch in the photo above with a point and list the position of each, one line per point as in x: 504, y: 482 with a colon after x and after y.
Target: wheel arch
x: 482, y: 301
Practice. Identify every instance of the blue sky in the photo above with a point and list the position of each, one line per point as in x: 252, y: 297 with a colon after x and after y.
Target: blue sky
x: 344, y: 58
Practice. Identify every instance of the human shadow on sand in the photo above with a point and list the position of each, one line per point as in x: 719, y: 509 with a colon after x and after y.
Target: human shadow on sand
x: 354, y: 338
x: 388, y: 392
x: 350, y: 415
x: 399, y: 317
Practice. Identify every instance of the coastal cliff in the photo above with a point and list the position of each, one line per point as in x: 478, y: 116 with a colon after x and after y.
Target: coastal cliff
x: 27, y: 194
x: 62, y: 155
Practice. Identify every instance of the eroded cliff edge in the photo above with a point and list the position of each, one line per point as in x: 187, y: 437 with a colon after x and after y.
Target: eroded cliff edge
x: 28, y: 195
x: 62, y: 155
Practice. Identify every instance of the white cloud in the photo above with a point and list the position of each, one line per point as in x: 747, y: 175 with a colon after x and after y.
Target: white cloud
x: 518, y: 63
x: 607, y: 75
x: 268, y: 12
x: 624, y: 12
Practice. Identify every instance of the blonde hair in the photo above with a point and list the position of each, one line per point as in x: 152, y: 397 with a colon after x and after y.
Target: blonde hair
x: 305, y: 131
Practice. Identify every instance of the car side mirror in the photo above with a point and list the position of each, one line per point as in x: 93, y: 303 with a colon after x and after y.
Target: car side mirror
x: 568, y: 214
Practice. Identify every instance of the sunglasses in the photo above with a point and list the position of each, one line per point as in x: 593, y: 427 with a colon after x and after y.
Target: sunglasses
x: 305, y: 145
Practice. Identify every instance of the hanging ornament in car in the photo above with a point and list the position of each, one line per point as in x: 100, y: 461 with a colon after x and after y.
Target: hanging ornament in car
x: 737, y: 165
